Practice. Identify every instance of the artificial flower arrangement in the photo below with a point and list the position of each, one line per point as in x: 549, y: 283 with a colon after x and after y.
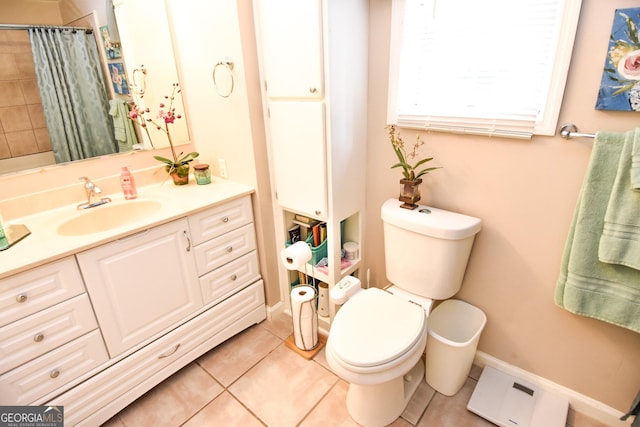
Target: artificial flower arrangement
x: 178, y: 165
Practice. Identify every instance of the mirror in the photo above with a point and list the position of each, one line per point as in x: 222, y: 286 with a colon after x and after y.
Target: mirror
x: 145, y: 43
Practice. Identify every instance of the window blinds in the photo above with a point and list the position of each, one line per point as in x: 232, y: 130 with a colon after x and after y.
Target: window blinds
x: 482, y: 67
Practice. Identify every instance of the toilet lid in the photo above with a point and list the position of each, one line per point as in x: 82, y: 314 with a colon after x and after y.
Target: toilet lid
x: 375, y: 327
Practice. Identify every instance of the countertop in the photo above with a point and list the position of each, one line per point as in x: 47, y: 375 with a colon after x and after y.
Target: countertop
x: 45, y: 244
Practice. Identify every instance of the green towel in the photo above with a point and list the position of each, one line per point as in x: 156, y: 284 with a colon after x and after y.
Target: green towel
x: 620, y: 240
x: 586, y: 286
x: 635, y: 163
x: 123, y: 129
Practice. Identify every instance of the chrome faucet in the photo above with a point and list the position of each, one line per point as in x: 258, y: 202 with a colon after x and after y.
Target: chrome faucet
x: 92, y: 190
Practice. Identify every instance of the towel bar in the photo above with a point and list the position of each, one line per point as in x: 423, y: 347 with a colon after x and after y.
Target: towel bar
x: 570, y: 130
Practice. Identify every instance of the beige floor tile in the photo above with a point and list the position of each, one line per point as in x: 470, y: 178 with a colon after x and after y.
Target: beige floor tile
x: 281, y: 326
x: 452, y: 411
x: 283, y: 387
x: 332, y: 409
x: 418, y: 403
x: 236, y: 356
x: 174, y: 400
x: 223, y: 411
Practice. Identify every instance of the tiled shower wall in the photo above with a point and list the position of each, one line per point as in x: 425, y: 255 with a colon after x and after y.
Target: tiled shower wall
x: 23, y: 130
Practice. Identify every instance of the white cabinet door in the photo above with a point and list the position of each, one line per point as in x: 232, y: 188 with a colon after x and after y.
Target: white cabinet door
x: 299, y: 156
x: 142, y: 284
x: 291, y: 39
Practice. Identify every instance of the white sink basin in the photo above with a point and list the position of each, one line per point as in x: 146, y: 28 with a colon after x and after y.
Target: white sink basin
x: 108, y: 216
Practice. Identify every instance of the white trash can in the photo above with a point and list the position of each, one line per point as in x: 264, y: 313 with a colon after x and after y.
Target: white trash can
x: 454, y: 330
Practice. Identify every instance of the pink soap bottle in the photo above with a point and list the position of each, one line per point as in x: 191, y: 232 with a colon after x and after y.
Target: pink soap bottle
x: 128, y: 184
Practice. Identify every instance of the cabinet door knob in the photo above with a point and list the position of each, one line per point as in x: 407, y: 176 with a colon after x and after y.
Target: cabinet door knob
x: 229, y: 249
x: 313, y: 90
x: 21, y: 298
x: 234, y: 277
x: 318, y: 212
x: 55, y: 373
x: 225, y: 219
x: 38, y: 337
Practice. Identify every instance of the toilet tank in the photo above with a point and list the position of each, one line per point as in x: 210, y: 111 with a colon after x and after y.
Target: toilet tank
x: 426, y: 249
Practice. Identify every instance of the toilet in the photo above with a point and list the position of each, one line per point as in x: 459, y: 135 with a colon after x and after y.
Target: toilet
x: 378, y: 336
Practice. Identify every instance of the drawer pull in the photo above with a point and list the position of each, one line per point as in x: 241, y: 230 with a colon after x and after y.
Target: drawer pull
x: 225, y: 219
x: 21, y: 298
x: 229, y: 249
x: 170, y: 352
x: 234, y: 277
x: 38, y: 337
x: 186, y: 236
x: 55, y: 373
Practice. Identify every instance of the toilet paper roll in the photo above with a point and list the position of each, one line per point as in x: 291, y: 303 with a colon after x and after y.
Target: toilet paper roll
x: 296, y: 255
x: 305, y: 318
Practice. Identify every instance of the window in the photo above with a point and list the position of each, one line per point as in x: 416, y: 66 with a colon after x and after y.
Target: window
x: 490, y: 67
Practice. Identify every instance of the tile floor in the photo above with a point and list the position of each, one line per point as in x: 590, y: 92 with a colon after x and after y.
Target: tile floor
x: 253, y: 379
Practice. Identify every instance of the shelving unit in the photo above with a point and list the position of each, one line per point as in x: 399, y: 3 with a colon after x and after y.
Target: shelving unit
x: 313, y: 67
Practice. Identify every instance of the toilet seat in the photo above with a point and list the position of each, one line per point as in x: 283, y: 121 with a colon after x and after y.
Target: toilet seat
x: 376, y: 328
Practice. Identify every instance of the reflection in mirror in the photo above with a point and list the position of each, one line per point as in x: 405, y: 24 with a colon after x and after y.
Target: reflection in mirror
x: 73, y: 94
x: 27, y: 148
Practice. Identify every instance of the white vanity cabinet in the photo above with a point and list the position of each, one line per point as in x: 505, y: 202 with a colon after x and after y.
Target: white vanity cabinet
x: 142, y: 284
x: 163, y: 297
x: 156, y: 308
x: 48, y: 332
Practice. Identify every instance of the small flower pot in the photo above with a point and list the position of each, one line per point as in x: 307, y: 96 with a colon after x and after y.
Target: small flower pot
x: 409, y: 193
x: 179, y: 173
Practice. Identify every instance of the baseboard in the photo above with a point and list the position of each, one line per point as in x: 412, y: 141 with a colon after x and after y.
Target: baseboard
x: 275, y: 310
x: 577, y: 402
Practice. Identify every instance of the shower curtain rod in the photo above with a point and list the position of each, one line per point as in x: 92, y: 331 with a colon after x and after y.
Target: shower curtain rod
x: 570, y: 131
x: 44, y: 27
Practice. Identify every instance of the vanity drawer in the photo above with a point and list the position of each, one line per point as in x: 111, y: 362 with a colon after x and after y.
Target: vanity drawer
x: 161, y: 358
x: 26, y: 293
x: 228, y: 279
x: 220, y: 219
x: 28, y: 338
x: 53, y: 370
x: 219, y: 251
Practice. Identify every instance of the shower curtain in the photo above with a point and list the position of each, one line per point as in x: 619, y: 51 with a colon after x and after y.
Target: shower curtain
x: 73, y: 92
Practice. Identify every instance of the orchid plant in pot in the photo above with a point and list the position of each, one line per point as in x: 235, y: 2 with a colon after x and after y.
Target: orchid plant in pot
x: 178, y: 165
x: 412, y: 173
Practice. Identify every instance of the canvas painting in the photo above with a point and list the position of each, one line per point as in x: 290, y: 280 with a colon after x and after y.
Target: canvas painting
x: 111, y: 48
x: 118, y: 78
x: 620, y: 84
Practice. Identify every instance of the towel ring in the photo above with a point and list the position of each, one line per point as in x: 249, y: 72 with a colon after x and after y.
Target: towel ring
x: 140, y: 74
x: 228, y: 65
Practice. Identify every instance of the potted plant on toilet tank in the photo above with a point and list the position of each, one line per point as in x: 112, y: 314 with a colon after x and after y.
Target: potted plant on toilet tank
x: 412, y: 173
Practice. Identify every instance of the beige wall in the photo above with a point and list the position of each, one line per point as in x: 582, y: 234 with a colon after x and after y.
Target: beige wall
x: 525, y: 194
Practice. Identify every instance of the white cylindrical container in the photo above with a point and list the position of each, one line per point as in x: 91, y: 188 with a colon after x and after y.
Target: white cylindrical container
x: 350, y: 250
x: 304, y: 316
x: 323, y: 299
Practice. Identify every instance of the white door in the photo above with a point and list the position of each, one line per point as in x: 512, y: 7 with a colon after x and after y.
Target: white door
x: 290, y: 32
x: 142, y: 284
x: 299, y: 156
